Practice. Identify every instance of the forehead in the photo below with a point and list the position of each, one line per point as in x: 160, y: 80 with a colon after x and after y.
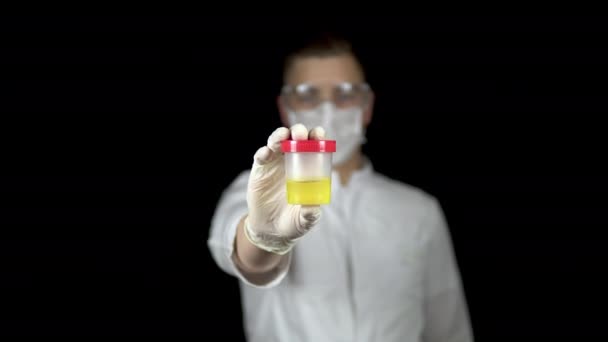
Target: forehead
x: 321, y: 70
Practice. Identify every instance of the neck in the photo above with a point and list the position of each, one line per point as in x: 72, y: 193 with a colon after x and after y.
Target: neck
x: 346, y: 169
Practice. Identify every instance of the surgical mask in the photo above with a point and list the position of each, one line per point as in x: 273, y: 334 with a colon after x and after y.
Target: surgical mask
x: 343, y: 125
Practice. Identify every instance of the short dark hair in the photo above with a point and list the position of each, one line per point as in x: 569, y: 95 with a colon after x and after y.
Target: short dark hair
x: 324, y: 44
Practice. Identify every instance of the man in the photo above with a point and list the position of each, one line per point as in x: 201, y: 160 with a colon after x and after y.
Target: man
x: 376, y: 264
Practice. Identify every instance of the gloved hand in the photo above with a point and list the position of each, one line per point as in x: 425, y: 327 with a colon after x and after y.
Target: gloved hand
x: 272, y: 224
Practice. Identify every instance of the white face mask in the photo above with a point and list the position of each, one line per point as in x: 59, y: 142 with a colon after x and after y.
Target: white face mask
x: 343, y: 125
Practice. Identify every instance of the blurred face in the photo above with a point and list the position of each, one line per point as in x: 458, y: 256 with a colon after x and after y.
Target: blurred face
x: 329, y: 92
x: 312, y: 81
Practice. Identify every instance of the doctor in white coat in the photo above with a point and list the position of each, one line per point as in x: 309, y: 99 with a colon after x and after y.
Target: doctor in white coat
x: 376, y: 264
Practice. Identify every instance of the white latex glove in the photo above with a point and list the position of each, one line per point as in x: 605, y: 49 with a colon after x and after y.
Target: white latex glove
x: 272, y: 224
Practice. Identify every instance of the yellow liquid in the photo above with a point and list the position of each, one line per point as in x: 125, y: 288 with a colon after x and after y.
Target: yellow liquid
x: 309, y: 192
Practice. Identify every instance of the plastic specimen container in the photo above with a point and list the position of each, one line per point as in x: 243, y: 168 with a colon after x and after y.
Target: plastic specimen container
x: 308, y: 166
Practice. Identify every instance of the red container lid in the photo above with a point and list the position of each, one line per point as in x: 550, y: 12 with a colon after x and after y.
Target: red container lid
x: 308, y: 146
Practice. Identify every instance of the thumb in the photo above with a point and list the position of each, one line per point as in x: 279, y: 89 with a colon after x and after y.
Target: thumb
x: 309, y: 217
x: 263, y: 155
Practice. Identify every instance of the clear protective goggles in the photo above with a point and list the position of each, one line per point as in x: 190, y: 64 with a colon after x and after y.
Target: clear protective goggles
x: 344, y: 95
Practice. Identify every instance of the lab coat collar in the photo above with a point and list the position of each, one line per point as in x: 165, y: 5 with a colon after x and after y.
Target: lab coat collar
x: 358, y: 175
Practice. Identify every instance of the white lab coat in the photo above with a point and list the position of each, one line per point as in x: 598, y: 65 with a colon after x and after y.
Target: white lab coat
x: 379, y: 266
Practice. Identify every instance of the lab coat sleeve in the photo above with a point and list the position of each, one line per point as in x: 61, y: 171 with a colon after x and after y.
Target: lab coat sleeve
x: 446, y: 312
x: 231, y: 207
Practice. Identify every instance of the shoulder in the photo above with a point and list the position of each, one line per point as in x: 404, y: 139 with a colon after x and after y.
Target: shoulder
x: 240, y: 180
x: 399, y: 195
x: 407, y: 212
x: 397, y: 204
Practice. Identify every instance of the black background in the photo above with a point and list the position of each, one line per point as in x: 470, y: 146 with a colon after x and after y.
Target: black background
x: 120, y: 132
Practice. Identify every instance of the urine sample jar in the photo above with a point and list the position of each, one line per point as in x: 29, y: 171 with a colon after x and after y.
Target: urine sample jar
x: 308, y: 170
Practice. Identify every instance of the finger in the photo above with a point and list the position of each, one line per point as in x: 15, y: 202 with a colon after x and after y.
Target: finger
x: 317, y: 133
x: 309, y: 216
x: 299, y: 132
x: 274, y: 140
